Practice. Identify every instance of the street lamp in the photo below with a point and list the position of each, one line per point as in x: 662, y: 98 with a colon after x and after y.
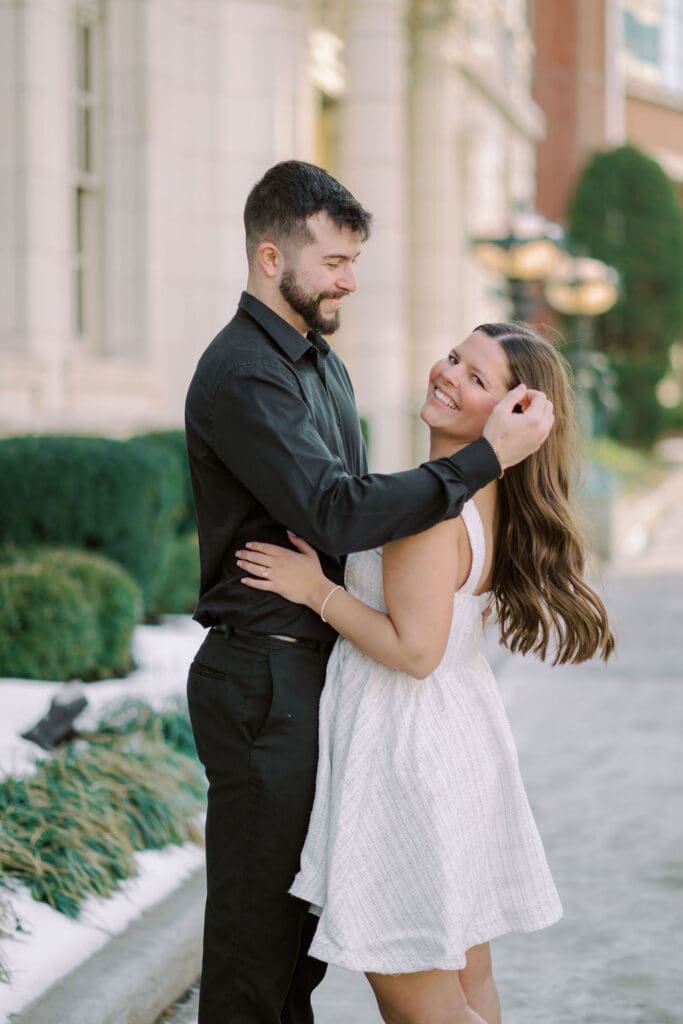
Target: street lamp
x: 530, y: 251
x: 583, y: 288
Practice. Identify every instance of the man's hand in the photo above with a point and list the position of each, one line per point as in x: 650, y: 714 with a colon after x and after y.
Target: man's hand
x: 516, y: 434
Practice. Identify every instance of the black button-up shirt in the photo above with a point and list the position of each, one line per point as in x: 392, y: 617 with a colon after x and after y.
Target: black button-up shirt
x: 274, y: 443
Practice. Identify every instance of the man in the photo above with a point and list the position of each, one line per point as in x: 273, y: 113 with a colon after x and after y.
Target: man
x: 274, y: 443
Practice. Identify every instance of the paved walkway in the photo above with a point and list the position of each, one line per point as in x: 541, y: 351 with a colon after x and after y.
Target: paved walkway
x: 600, y: 748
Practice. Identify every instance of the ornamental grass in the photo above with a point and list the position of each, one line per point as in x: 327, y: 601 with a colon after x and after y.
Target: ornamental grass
x: 72, y: 829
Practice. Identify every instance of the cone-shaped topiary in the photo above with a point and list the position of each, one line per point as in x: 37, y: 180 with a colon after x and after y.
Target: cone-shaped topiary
x: 624, y: 211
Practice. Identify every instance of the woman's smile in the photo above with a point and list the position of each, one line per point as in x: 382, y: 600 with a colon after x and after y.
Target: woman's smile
x: 443, y: 399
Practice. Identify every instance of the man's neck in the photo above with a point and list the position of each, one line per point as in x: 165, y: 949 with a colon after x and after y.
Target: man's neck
x: 275, y: 301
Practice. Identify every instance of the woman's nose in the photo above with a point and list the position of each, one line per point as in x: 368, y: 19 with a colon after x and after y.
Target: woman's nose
x: 451, y: 372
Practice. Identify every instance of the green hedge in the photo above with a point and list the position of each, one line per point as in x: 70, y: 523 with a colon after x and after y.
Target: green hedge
x: 65, y: 614
x: 179, y: 590
x: 121, y: 499
x: 173, y: 441
x: 71, y: 830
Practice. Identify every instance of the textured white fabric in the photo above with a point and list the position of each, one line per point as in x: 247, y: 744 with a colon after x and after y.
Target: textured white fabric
x: 421, y: 842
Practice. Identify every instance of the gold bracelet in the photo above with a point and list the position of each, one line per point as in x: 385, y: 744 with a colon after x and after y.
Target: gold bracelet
x: 500, y: 463
x: 324, y: 604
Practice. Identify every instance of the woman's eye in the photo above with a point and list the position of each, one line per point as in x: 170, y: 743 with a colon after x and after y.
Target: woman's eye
x: 452, y: 358
x: 476, y: 379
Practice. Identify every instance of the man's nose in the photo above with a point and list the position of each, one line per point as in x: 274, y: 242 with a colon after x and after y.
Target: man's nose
x: 347, y: 280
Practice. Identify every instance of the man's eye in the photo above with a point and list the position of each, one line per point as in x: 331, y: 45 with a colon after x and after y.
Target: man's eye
x: 452, y: 358
x: 332, y: 266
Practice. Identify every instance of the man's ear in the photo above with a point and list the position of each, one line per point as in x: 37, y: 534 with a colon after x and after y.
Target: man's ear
x: 269, y: 259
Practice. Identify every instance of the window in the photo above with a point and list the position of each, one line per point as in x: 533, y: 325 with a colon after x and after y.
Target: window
x: 88, y: 277
x: 328, y: 76
x: 653, y: 42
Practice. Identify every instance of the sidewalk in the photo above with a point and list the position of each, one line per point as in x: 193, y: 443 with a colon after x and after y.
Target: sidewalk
x: 600, y: 753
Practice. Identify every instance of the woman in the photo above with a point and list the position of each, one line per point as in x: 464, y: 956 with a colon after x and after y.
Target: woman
x: 422, y: 846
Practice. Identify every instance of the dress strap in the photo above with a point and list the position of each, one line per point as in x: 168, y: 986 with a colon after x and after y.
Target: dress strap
x: 475, y: 531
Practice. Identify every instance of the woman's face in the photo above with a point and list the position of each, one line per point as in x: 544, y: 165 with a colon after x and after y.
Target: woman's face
x: 464, y: 387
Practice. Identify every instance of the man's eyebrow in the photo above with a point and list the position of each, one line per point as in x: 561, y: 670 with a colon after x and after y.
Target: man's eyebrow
x: 341, y: 256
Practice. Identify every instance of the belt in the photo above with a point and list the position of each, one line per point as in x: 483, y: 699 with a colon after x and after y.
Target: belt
x: 228, y: 631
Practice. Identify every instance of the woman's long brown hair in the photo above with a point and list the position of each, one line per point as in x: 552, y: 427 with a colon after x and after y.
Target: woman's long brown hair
x: 544, y: 605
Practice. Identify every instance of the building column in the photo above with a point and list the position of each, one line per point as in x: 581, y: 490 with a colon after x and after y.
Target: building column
x: 35, y: 323
x: 437, y: 269
x: 372, y: 162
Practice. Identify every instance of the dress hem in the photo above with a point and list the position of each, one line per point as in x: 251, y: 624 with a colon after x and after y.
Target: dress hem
x: 328, y: 953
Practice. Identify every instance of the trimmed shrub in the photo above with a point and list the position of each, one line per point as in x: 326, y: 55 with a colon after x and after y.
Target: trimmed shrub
x: 119, y: 499
x: 111, y: 592
x: 48, y: 624
x: 174, y: 441
x: 71, y: 829
x: 178, y: 592
x: 118, y: 605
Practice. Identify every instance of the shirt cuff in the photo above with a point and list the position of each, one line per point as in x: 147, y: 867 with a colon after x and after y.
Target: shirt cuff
x: 477, y: 464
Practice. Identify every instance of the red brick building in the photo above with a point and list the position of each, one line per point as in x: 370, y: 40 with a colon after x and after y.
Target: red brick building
x: 606, y: 72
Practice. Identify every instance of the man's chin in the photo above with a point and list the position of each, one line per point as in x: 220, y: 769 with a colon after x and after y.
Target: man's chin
x: 328, y: 326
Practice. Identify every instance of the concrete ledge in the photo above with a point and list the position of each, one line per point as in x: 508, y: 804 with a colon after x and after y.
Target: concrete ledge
x: 136, y: 975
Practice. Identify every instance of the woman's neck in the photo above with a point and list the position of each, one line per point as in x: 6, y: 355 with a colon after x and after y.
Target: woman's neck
x: 441, y: 447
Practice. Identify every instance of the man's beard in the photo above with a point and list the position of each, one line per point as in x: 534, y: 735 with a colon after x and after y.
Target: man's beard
x: 308, y: 306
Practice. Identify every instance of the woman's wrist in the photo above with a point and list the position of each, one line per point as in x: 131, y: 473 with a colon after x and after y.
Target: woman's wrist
x: 319, y: 593
x: 331, y: 592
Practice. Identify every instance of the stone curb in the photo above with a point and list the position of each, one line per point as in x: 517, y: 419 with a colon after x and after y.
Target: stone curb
x: 136, y: 975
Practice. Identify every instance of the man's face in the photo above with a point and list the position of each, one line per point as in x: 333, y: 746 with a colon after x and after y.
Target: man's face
x: 318, y: 275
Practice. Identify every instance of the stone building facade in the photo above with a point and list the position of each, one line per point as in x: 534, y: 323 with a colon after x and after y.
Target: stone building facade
x: 133, y: 130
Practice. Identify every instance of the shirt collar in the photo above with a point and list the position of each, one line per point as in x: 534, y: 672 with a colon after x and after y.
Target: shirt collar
x: 287, y: 337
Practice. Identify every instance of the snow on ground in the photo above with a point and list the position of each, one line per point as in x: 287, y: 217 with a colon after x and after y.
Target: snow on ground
x: 162, y: 653
x: 56, y: 944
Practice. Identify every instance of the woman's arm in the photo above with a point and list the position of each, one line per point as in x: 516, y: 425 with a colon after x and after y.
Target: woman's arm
x: 421, y: 575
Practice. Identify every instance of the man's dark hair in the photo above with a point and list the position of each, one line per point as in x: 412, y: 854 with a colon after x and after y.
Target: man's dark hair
x: 291, y: 191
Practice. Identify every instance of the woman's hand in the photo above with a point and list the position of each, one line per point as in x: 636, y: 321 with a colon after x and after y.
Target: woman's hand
x: 296, y: 577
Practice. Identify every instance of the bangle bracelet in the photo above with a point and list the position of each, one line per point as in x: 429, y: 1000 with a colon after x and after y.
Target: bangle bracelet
x: 324, y: 604
x: 500, y: 463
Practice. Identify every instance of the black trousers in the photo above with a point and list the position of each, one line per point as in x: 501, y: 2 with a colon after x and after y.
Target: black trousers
x: 254, y: 710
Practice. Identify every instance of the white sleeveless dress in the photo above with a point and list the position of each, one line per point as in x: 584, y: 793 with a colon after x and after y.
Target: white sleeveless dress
x: 421, y: 842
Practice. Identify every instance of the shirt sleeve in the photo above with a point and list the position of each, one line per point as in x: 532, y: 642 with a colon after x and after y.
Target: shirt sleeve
x: 264, y: 433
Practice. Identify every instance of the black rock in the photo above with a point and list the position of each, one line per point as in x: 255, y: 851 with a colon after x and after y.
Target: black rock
x: 57, y: 725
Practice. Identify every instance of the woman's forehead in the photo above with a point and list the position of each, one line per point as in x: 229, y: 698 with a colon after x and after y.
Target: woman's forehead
x: 482, y: 349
